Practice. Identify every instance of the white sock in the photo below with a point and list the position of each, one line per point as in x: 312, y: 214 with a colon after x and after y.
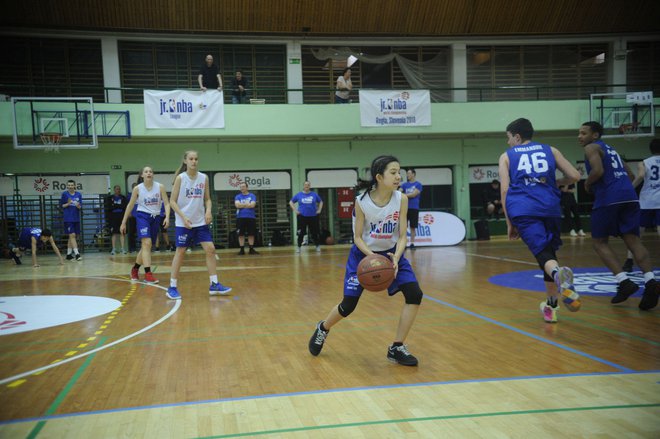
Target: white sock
x: 649, y: 276
x: 75, y: 250
x: 621, y: 277
x: 68, y: 250
x: 173, y: 282
x: 214, y: 279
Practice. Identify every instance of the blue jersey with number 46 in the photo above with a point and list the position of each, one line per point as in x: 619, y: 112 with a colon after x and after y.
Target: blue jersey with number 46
x: 614, y: 186
x: 532, y: 189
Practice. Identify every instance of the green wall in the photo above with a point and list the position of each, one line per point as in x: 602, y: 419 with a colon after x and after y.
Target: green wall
x: 300, y: 137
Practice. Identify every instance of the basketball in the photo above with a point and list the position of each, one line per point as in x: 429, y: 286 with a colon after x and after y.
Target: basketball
x: 375, y: 272
x: 329, y: 240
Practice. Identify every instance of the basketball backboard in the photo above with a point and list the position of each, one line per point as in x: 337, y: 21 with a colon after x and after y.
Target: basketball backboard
x: 625, y: 114
x: 70, y: 118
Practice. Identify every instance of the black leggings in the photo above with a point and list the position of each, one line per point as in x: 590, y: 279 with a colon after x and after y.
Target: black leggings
x: 576, y: 221
x: 305, y: 222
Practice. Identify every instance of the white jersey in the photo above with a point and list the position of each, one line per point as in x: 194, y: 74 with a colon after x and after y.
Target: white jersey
x: 149, y: 201
x: 191, y: 199
x: 381, y: 224
x: 649, y: 197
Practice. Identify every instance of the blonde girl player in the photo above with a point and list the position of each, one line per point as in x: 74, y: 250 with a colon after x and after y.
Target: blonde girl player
x: 191, y: 201
x: 379, y: 217
x: 148, y: 195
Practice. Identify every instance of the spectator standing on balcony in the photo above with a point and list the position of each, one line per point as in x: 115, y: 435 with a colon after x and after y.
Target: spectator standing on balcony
x: 344, y: 87
x: 239, y: 86
x: 209, y: 75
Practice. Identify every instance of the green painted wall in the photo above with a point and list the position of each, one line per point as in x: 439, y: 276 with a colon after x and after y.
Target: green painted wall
x: 300, y: 137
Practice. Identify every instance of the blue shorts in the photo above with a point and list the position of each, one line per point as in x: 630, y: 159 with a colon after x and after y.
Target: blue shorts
x: 70, y: 228
x: 615, y: 220
x: 196, y: 235
x: 353, y: 288
x: 538, y: 233
x: 147, y: 225
x: 649, y: 217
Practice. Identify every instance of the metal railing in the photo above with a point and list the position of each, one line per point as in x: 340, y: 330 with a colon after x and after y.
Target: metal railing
x: 280, y: 95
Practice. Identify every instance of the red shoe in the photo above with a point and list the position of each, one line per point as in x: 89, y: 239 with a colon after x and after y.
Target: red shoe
x: 134, y: 274
x: 149, y: 278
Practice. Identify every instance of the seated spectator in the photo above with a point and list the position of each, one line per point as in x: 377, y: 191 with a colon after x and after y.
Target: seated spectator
x: 239, y: 88
x: 493, y: 200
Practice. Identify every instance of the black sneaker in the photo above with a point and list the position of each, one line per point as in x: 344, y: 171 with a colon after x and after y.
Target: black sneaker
x: 253, y: 252
x: 241, y: 251
x: 400, y: 354
x: 317, y: 340
x: 650, y: 297
x: 627, y: 266
x: 624, y: 290
x: 78, y: 257
x: 69, y: 257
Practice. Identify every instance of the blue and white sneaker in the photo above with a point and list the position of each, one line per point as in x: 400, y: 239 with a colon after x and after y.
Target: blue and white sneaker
x: 173, y: 293
x: 217, y: 289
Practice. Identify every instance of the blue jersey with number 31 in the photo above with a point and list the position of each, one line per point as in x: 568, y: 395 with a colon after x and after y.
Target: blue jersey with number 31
x: 532, y: 189
x: 614, y: 186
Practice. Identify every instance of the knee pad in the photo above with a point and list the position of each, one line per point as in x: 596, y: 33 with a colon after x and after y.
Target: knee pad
x: 547, y: 254
x: 347, y: 306
x: 412, y: 293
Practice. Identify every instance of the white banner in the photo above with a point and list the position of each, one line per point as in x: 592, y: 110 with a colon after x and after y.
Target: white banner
x: 382, y: 108
x: 6, y: 186
x: 256, y: 180
x: 56, y: 184
x: 184, y: 109
x: 332, y: 178
x: 429, y: 176
x: 438, y: 228
x: 484, y: 174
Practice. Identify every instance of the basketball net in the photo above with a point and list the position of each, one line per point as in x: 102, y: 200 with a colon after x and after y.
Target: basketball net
x: 51, y: 141
x: 629, y: 131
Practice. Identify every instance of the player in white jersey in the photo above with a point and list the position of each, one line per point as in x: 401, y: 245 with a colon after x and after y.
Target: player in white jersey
x: 648, y: 171
x: 149, y: 195
x: 191, y: 201
x: 379, y: 226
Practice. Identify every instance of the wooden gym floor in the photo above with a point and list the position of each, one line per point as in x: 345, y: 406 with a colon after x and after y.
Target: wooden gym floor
x: 238, y: 366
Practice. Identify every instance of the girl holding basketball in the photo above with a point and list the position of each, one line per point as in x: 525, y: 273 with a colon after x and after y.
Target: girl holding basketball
x: 379, y: 217
x: 191, y: 201
x: 148, y: 195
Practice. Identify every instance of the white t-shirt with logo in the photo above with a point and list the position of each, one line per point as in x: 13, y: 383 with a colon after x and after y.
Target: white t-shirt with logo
x: 191, y: 199
x: 381, y: 224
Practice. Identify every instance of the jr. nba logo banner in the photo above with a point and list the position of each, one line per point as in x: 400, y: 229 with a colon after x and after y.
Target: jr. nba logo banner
x: 181, y: 109
x: 391, y: 108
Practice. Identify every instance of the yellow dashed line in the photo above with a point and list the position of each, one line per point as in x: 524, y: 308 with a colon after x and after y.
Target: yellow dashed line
x: 84, y: 345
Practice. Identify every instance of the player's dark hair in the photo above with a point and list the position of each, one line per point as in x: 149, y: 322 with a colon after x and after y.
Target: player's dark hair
x: 654, y: 146
x: 378, y: 166
x: 522, y: 127
x: 412, y: 170
x: 595, y: 127
x: 495, y: 181
x: 140, y: 178
x: 46, y: 232
x: 346, y: 69
x: 183, y: 167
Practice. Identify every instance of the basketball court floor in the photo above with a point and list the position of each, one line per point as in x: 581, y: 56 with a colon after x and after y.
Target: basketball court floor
x: 86, y: 353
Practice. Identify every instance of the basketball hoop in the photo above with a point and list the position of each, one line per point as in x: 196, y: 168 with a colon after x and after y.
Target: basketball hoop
x: 51, y: 141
